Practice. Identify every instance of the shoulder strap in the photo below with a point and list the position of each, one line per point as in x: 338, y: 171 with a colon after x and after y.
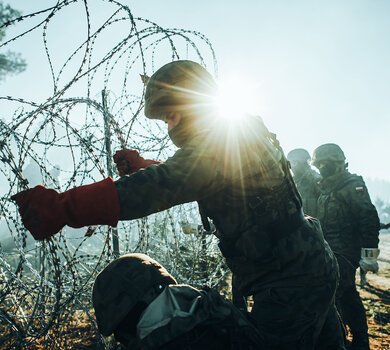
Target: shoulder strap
x: 285, y: 165
x: 342, y: 185
x: 346, y: 181
x: 340, y: 198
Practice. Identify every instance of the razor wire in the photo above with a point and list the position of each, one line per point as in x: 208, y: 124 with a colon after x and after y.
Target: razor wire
x: 60, y: 141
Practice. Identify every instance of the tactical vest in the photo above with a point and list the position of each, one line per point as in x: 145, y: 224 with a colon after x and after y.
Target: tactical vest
x: 252, y: 213
x: 338, y: 223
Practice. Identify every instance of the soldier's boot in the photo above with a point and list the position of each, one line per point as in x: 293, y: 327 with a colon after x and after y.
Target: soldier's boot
x: 360, y: 341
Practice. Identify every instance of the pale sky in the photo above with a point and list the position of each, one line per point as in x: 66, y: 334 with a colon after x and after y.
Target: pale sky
x: 321, y: 68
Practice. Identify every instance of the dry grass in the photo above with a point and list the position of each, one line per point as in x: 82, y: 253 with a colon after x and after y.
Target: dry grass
x: 376, y: 299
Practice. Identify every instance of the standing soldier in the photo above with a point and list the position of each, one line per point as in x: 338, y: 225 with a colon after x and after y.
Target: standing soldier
x: 306, y: 179
x: 351, y: 226
x: 242, y: 181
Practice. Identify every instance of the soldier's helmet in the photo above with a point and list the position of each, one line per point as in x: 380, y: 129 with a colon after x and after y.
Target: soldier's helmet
x: 121, y: 285
x: 328, y: 152
x: 179, y: 86
x: 298, y: 155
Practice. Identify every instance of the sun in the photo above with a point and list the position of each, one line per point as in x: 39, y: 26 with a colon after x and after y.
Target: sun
x: 237, y: 96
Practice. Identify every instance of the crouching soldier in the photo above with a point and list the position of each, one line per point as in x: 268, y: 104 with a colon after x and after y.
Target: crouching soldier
x: 137, y: 300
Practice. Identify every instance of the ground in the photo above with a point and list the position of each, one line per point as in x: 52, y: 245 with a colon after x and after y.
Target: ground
x: 79, y: 332
x: 376, y: 299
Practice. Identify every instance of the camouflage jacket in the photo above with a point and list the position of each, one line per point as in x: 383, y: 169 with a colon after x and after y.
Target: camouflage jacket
x: 307, y: 185
x: 348, y: 218
x: 242, y: 183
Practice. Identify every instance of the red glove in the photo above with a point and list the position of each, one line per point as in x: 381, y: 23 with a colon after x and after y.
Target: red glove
x: 129, y: 161
x: 45, y: 211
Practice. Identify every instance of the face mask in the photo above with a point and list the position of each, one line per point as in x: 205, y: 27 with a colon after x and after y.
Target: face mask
x: 298, y: 168
x: 328, y: 170
x: 181, y: 133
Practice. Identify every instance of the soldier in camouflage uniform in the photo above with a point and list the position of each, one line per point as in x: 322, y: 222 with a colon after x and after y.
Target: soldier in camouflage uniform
x: 306, y: 179
x: 351, y: 225
x: 137, y: 300
x: 242, y: 181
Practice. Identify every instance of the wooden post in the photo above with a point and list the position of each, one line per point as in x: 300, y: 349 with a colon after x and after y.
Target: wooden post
x: 107, y: 141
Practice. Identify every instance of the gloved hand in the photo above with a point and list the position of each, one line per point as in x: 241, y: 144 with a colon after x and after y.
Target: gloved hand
x: 129, y: 161
x: 368, y: 260
x: 45, y: 211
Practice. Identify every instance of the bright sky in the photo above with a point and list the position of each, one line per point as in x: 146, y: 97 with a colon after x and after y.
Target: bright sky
x: 319, y: 70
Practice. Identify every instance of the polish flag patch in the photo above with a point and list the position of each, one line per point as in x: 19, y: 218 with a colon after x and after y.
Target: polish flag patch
x: 359, y: 189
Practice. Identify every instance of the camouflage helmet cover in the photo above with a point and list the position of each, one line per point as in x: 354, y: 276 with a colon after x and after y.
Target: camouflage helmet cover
x: 298, y: 155
x: 177, y: 86
x: 328, y: 152
x: 121, y: 284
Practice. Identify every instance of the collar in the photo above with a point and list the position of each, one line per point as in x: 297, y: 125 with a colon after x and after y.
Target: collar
x: 330, y: 183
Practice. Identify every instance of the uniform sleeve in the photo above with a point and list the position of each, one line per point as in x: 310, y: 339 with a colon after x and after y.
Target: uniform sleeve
x: 187, y: 176
x: 364, y: 213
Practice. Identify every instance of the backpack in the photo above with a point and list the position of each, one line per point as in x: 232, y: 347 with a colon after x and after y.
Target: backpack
x: 182, y: 317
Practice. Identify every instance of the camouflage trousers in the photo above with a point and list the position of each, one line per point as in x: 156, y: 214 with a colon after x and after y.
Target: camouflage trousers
x: 299, y: 318
x: 348, y: 300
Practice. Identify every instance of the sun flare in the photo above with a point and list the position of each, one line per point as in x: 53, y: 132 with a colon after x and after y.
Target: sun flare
x: 236, y: 97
